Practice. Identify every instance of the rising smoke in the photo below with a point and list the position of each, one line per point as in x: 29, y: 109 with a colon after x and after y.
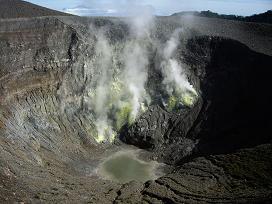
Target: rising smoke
x: 175, y: 79
x: 136, y: 60
x: 104, y: 59
x: 119, y: 94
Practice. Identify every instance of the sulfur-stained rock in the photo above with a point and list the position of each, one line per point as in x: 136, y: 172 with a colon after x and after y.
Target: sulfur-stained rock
x: 218, y: 149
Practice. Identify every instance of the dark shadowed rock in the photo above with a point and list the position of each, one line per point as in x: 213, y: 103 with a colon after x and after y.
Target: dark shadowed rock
x: 47, y: 150
x: 229, y: 178
x: 237, y: 79
x: 231, y: 76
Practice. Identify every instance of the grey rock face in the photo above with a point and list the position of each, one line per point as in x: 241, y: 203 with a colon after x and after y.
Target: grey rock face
x: 164, y: 132
x: 47, y: 149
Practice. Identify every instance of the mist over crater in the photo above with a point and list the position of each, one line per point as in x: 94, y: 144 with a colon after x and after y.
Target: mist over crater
x: 139, y: 109
x: 118, y: 91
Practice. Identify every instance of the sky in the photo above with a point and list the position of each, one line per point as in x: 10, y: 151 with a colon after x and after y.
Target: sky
x: 158, y: 7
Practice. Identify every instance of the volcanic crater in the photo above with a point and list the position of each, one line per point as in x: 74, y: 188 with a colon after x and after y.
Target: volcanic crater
x: 76, y: 91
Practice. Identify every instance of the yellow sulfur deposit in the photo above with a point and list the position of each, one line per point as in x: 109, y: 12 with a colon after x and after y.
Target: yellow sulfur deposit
x: 172, y: 103
x: 188, y: 99
x: 123, y: 116
x: 112, y: 137
x: 99, y: 138
x: 106, y: 134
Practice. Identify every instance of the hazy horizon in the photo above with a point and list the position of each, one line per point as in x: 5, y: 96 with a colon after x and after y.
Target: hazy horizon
x: 157, y: 7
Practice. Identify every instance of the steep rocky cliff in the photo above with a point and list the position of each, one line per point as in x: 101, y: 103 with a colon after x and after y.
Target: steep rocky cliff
x: 215, y: 141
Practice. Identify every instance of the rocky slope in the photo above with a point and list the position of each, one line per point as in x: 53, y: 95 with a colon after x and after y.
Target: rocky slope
x: 23, y: 9
x: 241, y: 177
x: 48, y: 145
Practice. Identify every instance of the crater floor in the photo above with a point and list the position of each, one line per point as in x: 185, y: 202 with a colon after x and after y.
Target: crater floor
x: 216, y: 147
x: 124, y: 167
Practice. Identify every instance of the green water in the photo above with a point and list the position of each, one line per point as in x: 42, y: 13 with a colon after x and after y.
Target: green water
x: 125, y: 167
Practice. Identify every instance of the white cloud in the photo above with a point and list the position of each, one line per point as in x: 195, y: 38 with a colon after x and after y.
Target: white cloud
x: 85, y: 11
x: 110, y: 7
x: 167, y: 7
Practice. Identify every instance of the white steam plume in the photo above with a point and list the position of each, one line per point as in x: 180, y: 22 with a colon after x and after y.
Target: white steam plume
x: 119, y: 94
x: 103, y: 52
x: 100, y: 96
x: 141, y: 21
x: 175, y: 78
x: 136, y: 58
x: 135, y: 74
